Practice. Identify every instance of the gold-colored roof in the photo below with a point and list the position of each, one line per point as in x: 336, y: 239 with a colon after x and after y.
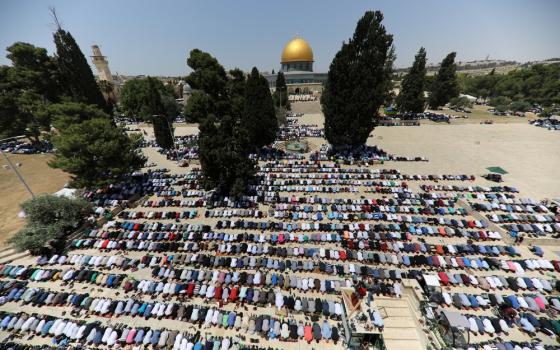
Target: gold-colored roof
x: 297, y: 50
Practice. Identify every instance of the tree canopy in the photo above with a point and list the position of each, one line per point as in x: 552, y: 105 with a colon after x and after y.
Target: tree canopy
x: 209, y: 82
x: 536, y: 84
x: 445, y: 85
x: 259, y: 117
x: 411, y: 97
x: 48, y: 219
x: 281, y: 93
x: 38, y: 90
x: 26, y: 88
x: 96, y: 152
x: 64, y: 114
x: 163, y: 131
x: 137, y: 99
x: 224, y: 144
x: 460, y: 102
x: 75, y: 72
x: 32, y: 69
x: 359, y: 82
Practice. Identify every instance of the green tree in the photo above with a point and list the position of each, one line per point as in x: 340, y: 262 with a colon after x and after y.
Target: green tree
x: 223, y: 149
x: 75, y: 72
x: 209, y: 148
x: 138, y: 100
x: 359, y: 82
x: 281, y: 93
x: 26, y: 87
x: 163, y: 131
x: 65, y: 114
x: 209, y: 82
x: 259, y: 116
x: 445, y: 85
x: 19, y: 115
x: 501, y: 108
x: 198, y: 106
x: 32, y: 70
x: 152, y: 105
x: 236, y: 86
x: 48, y: 220
x: 499, y: 101
x: 223, y: 144
x: 546, y: 113
x: 538, y: 84
x: 411, y: 97
x: 281, y: 116
x: 12, y: 122
x: 108, y: 90
x: 460, y: 102
x: 519, y: 106
x: 96, y: 152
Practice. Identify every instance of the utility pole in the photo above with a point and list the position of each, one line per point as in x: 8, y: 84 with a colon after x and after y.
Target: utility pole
x: 11, y: 165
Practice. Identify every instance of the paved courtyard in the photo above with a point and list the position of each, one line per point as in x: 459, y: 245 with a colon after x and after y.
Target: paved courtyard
x: 431, y: 220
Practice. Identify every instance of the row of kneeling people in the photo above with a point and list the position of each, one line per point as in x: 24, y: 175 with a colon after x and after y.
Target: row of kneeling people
x: 192, y: 285
x: 532, y: 302
x: 413, y: 227
x: 96, y: 333
x: 526, y: 322
x: 385, y: 241
x: 260, y: 278
x: 472, y: 189
x: 518, y: 266
x: 367, y: 174
x: 235, y: 262
x: 498, y: 282
x: 66, y: 332
x: 161, y: 203
x: 180, y: 311
x: 509, y: 345
x: 155, y: 215
x: 170, y: 264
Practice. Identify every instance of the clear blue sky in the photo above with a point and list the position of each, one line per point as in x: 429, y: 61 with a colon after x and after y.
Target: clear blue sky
x: 154, y: 37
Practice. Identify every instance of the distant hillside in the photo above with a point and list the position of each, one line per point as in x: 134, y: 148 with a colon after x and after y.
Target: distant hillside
x: 482, y: 67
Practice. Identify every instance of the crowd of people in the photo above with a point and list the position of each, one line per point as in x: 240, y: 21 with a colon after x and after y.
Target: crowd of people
x: 26, y: 147
x: 197, y: 270
x: 302, y: 97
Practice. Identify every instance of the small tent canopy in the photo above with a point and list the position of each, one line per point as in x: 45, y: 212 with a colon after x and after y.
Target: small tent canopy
x: 497, y: 170
x: 431, y: 280
x: 455, y: 319
x: 66, y: 192
x: 468, y: 97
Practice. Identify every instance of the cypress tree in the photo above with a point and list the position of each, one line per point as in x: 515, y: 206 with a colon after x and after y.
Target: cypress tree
x: 209, y: 147
x: 281, y: 94
x: 152, y: 105
x: 223, y: 144
x: 75, y: 71
x: 358, y: 83
x: 411, y: 98
x: 445, y: 85
x: 259, y: 117
x: 236, y: 90
x: 210, y: 77
x: 162, y: 131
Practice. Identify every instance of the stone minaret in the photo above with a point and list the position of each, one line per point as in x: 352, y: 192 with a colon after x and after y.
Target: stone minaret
x: 101, y: 64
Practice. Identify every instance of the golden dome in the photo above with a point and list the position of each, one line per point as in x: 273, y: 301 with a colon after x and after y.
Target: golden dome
x: 297, y: 50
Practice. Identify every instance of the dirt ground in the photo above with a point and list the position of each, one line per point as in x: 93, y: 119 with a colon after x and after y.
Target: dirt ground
x: 528, y: 153
x: 40, y: 178
x: 478, y: 114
